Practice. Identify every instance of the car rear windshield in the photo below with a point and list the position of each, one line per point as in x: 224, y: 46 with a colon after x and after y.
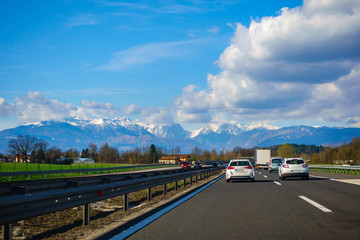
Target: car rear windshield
x: 276, y: 160
x: 295, y: 161
x: 185, y: 162
x: 240, y: 163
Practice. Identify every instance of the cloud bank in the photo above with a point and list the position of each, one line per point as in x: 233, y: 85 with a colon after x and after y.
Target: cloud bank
x: 34, y: 107
x: 303, y: 63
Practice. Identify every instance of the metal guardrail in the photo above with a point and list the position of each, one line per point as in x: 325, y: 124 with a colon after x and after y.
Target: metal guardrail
x: 80, y: 170
x: 28, y: 187
x: 352, y: 170
x: 23, y: 206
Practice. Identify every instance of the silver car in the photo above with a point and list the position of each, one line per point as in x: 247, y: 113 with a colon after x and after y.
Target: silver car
x: 275, y: 163
x: 240, y: 169
x: 293, y: 167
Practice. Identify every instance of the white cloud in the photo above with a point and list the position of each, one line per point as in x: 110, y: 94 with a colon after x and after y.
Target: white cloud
x: 153, y: 115
x: 34, y: 107
x: 6, y: 109
x: 91, y: 108
x: 302, y: 64
x: 132, y: 109
x: 147, y: 53
x: 157, y: 116
x: 81, y: 20
x: 214, y: 30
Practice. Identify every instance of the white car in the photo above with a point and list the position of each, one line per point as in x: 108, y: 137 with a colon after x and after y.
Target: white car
x: 275, y: 163
x: 240, y: 169
x: 293, y: 167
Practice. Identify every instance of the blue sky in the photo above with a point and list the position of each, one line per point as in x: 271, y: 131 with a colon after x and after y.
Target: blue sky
x: 280, y: 62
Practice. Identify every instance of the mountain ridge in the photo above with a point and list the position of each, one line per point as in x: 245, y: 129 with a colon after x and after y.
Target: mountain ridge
x: 126, y: 134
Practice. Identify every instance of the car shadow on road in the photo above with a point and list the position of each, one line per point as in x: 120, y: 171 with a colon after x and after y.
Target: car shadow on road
x: 310, y: 179
x: 247, y: 181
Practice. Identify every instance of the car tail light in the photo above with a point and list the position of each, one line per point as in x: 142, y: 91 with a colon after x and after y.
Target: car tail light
x: 249, y: 167
x: 230, y: 168
x: 285, y: 166
x: 305, y: 165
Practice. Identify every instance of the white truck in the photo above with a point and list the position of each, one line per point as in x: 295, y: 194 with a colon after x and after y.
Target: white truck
x: 262, y: 158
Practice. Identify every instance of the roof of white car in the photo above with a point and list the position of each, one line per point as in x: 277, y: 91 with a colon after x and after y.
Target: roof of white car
x: 244, y: 159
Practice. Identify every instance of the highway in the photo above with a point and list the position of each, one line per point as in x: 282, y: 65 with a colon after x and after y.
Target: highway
x: 318, y: 208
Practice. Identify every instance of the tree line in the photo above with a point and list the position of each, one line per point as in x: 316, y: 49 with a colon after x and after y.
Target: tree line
x: 38, y: 150
x: 34, y: 150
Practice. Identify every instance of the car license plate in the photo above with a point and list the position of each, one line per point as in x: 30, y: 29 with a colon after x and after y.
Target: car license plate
x: 239, y: 170
x: 295, y: 171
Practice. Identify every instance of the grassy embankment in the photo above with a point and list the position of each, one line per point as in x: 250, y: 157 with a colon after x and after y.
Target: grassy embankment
x: 26, y: 167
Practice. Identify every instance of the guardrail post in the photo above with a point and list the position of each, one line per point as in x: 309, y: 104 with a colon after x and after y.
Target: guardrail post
x: 165, y: 189
x: 7, y: 232
x: 184, y: 182
x: 191, y: 180
x: 196, y: 178
x: 149, y: 195
x: 176, y: 185
x: 126, y: 202
x: 86, y: 219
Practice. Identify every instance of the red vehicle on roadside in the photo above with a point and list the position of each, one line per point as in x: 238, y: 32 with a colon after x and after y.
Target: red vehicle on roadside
x: 185, y: 165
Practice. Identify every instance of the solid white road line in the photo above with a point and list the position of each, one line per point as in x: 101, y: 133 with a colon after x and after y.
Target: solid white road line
x: 265, y: 176
x: 351, y: 181
x: 126, y: 233
x: 315, y: 204
x: 355, y: 181
x: 276, y: 182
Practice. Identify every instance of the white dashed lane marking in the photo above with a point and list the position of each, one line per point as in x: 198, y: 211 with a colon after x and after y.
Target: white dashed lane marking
x: 276, y: 182
x: 315, y: 204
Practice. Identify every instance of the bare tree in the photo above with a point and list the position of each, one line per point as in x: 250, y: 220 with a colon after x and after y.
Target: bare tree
x: 41, y: 144
x: 72, y: 153
x: 53, y: 153
x: 22, y: 145
x: 177, y: 150
x: 14, y: 147
x: 93, y: 151
x: 108, y: 154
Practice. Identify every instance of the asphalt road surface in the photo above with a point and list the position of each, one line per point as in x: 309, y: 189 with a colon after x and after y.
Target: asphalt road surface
x: 318, y: 208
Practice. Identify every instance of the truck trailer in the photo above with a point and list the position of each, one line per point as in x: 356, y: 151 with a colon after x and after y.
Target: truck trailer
x: 262, y: 158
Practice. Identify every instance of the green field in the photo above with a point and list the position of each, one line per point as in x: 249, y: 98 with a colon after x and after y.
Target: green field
x: 19, y: 167
x: 30, y: 167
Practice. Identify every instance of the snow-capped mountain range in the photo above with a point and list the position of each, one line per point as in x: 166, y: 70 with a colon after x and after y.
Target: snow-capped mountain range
x: 125, y: 134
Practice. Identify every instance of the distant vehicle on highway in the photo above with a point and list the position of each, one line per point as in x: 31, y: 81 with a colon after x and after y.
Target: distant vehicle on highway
x: 197, y: 164
x: 220, y: 164
x: 185, y: 165
x: 274, y: 164
x: 215, y: 164
x: 293, y: 167
x: 240, y: 169
x: 262, y: 157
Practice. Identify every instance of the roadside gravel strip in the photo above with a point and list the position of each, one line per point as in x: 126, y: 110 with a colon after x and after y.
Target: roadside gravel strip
x: 126, y: 233
x: 140, y: 219
x: 106, y: 216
